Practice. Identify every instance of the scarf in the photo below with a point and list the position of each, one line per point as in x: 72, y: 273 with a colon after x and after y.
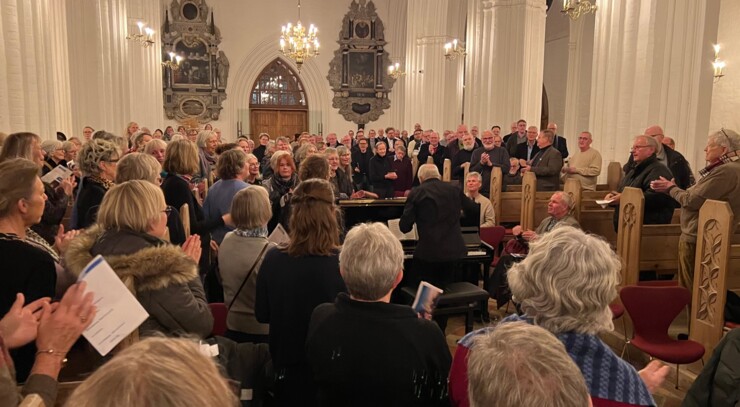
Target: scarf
x: 607, y: 375
x: 259, y: 232
x: 104, y: 182
x: 282, y: 186
x: 38, y: 241
x: 729, y: 157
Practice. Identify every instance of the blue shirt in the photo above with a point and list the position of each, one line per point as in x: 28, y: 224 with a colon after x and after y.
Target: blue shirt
x: 218, y: 203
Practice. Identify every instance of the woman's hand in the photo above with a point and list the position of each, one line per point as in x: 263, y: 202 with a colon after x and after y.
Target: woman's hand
x: 68, y: 185
x: 228, y: 221
x: 20, y: 325
x: 391, y: 175
x: 654, y: 375
x: 62, y: 239
x: 59, y: 328
x: 192, y: 248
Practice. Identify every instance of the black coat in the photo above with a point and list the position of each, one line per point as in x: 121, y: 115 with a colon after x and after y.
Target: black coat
x: 379, y: 167
x: 88, y: 201
x: 658, y: 207
x: 435, y: 208
x: 677, y: 164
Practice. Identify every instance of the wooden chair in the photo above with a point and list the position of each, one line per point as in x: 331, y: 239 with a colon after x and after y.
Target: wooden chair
x: 185, y: 219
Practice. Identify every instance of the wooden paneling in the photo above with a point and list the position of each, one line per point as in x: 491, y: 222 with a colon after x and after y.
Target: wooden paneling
x: 277, y: 123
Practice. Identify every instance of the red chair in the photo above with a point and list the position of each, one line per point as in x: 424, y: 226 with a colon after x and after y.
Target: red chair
x: 658, y: 283
x: 219, y: 311
x: 652, y: 310
x: 492, y: 236
x: 617, y: 312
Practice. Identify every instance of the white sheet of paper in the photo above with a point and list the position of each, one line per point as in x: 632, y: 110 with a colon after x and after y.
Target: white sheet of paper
x: 604, y: 202
x: 119, y: 312
x: 57, y: 174
x: 395, y: 227
x: 279, y: 236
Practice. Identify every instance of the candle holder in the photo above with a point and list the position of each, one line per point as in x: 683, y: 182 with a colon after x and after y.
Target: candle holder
x: 454, y: 49
x: 718, y: 65
x: 145, y: 37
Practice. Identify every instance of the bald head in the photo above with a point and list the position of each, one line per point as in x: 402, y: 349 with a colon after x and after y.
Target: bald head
x: 655, y: 132
x: 667, y: 141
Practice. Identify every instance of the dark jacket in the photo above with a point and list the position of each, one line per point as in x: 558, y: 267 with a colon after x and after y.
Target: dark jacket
x: 177, y: 192
x: 461, y: 157
x: 54, y: 210
x: 438, y: 157
x: 499, y: 157
x: 88, y: 200
x: 435, y: 207
x: 718, y: 384
x: 405, y: 172
x: 379, y: 167
x: 677, y: 164
x: 361, y: 161
x: 658, y: 207
x: 546, y: 165
x: 521, y: 151
x: 166, y: 281
x: 384, y: 349
x: 561, y: 144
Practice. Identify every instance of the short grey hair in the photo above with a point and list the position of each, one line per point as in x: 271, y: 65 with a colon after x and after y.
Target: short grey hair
x: 94, y: 152
x: 203, y: 137
x: 567, y: 282
x: 138, y: 166
x: 370, y: 261
x: 49, y: 146
x: 518, y: 364
x: 726, y: 138
x: 428, y: 171
x: 474, y: 174
x: 651, y: 142
x: 567, y: 199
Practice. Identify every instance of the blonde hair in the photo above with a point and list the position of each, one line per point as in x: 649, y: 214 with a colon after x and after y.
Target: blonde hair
x: 162, y: 372
x: 94, y: 152
x: 153, y: 145
x: 251, y: 208
x: 19, y: 145
x: 181, y: 157
x: 203, y: 137
x: 138, y: 166
x: 16, y: 182
x: 133, y: 205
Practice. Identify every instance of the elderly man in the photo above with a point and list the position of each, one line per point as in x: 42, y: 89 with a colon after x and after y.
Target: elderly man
x: 526, y: 151
x: 472, y: 191
x: 435, y: 207
x: 720, y: 180
x: 559, y: 142
x: 658, y: 207
x: 513, y: 131
x: 364, y: 350
x: 516, y: 138
x: 433, y: 149
x: 518, y: 364
x: 462, y: 157
x: 361, y: 164
x: 669, y: 157
x: 281, y: 144
x: 485, y: 158
x: 331, y: 140
x: 546, y: 165
x: 585, y: 165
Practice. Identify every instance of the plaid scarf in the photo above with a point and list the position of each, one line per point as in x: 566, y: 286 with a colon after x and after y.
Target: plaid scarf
x: 731, y: 156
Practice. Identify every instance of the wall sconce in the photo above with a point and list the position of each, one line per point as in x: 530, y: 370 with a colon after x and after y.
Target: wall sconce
x: 454, y: 49
x: 174, y: 62
x: 395, y: 71
x: 575, y: 8
x: 718, y: 64
x: 144, y: 37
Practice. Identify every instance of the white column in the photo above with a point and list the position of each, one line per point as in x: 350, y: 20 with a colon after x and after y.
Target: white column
x: 33, y: 68
x: 506, y: 54
x: 651, y: 66
x: 578, y: 86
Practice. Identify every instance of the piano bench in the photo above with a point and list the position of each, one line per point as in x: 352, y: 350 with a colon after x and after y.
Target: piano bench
x: 460, y: 298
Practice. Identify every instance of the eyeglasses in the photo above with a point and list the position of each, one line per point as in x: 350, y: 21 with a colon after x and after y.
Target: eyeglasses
x: 638, y: 147
x: 729, y: 142
x: 168, y: 210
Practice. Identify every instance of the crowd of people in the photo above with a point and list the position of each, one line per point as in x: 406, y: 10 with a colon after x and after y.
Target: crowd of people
x: 321, y: 302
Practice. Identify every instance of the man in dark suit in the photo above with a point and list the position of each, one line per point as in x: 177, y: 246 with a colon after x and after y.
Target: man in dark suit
x: 435, y: 206
x: 527, y: 150
x: 546, y: 165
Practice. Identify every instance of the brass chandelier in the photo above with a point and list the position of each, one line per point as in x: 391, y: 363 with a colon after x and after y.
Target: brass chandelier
x: 298, y: 44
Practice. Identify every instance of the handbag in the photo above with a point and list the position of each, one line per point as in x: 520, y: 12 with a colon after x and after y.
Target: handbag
x: 248, y: 275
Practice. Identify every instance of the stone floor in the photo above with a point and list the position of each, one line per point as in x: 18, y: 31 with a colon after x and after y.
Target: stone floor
x: 666, y: 396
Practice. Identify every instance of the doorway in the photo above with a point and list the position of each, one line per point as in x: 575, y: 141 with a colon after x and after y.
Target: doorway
x: 277, y: 104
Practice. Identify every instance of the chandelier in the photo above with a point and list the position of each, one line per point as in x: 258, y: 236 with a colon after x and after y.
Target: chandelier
x: 454, y: 49
x: 298, y: 44
x: 174, y: 62
x: 144, y: 37
x: 395, y: 71
x: 575, y: 8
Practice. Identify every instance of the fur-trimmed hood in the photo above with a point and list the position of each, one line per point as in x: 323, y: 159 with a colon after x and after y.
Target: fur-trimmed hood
x: 152, y: 267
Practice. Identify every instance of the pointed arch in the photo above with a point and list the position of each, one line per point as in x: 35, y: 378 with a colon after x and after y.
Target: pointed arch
x: 278, y: 86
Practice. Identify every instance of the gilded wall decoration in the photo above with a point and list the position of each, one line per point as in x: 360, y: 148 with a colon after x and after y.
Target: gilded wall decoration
x: 197, y: 88
x: 357, y: 73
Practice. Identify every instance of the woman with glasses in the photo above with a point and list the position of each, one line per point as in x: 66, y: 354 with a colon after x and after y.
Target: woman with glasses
x: 131, y: 223
x: 98, y: 160
x: 54, y: 155
x: 253, y: 176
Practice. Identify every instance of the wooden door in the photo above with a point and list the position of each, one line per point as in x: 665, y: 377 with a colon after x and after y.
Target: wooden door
x: 277, y: 123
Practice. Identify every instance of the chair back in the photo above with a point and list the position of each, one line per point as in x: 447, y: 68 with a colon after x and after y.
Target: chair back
x: 185, y: 219
x: 492, y: 235
x: 219, y: 312
x: 652, y: 309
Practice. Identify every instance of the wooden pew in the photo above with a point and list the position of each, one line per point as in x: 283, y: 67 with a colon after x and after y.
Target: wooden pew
x: 447, y: 170
x: 614, y: 174
x: 643, y: 247
x: 717, y: 269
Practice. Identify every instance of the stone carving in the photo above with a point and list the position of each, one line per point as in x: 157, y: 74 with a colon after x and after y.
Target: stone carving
x: 357, y: 73
x: 708, y: 273
x: 198, y: 88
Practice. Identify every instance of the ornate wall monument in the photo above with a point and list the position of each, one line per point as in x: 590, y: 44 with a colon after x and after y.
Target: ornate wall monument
x: 357, y: 73
x: 197, y: 88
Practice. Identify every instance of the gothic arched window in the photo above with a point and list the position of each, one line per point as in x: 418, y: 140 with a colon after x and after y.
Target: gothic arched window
x: 278, y: 86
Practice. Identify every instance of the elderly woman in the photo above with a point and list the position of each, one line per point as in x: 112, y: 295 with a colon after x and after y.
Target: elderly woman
x: 231, y: 169
x: 207, y: 142
x: 29, y: 269
x: 139, y: 140
x: 98, y: 163
x: 131, y: 223
x: 70, y: 150
x: 283, y: 180
x: 28, y: 146
x: 472, y: 191
x: 381, y: 173
x: 243, y: 143
x: 138, y: 166
x: 565, y: 285
x: 239, y: 258
x: 305, y: 150
x: 181, y: 163
x: 401, y: 165
x: 341, y: 181
x: 54, y: 155
x: 131, y: 129
x: 720, y: 180
x: 164, y: 372
x: 293, y: 280
x: 253, y: 176
x: 156, y: 149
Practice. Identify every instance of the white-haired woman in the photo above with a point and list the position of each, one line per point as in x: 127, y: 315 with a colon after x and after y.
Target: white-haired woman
x: 565, y: 285
x: 207, y: 142
x: 720, y: 180
x: 54, y: 155
x: 131, y: 223
x: 98, y: 162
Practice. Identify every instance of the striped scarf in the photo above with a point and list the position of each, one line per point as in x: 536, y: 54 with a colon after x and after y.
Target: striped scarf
x: 729, y: 157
